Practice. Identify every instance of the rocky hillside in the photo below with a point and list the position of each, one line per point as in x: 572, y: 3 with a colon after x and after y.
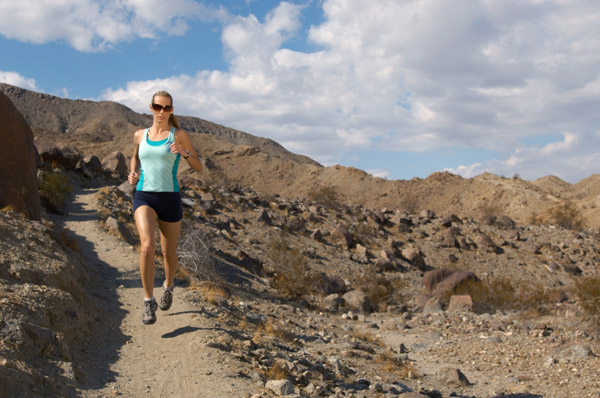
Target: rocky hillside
x: 234, y: 157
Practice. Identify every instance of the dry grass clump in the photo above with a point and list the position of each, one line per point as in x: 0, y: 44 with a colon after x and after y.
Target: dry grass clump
x: 567, y: 215
x: 270, y: 329
x: 277, y: 372
x: 326, y: 195
x: 506, y: 294
x: 368, y: 337
x: 382, y: 292
x: 391, y: 363
x: 410, y: 202
x: 195, y: 254
x: 489, y: 209
x: 293, y: 277
x: 212, y: 292
x: 587, y: 290
x: 54, y: 189
x: 363, y: 233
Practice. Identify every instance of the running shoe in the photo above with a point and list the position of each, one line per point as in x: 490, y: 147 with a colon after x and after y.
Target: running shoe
x: 149, y: 316
x: 167, y: 298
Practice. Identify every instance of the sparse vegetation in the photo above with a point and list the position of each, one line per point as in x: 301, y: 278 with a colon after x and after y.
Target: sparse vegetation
x: 381, y: 291
x: 588, y: 292
x: 362, y: 233
x: 326, y: 195
x: 567, y: 215
x: 54, y: 190
x: 195, y: 254
x: 410, y: 203
x: 293, y: 277
x: 506, y: 294
x: 489, y: 210
x: 271, y: 329
x: 391, y: 363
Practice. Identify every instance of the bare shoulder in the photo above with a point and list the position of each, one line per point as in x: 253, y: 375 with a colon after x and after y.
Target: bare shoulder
x: 137, y: 136
x: 181, y: 134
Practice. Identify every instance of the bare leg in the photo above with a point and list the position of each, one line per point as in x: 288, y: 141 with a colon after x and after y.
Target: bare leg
x: 169, y: 235
x: 145, y: 221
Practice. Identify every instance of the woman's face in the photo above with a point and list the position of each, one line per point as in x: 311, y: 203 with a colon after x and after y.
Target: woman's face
x: 161, y: 108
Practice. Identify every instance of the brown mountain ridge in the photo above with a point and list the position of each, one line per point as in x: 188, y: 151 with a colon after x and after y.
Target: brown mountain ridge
x: 235, y: 157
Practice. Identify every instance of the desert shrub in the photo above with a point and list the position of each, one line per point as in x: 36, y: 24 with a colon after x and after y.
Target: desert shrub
x: 293, y: 277
x: 326, y: 195
x: 271, y: 329
x: 587, y: 291
x: 54, y: 189
x: 391, y: 363
x: 195, y: 254
x: 381, y: 291
x: 212, y: 292
x: 410, y: 203
x: 567, y: 215
x: 363, y: 233
x: 489, y: 210
x: 506, y: 294
x: 277, y: 372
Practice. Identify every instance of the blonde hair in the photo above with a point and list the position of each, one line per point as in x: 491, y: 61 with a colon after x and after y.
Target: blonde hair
x: 172, y: 119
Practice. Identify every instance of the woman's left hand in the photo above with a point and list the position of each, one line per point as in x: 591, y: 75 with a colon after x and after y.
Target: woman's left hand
x: 176, y: 147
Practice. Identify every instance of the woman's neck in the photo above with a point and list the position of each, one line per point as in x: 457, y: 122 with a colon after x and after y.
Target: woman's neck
x: 160, y: 127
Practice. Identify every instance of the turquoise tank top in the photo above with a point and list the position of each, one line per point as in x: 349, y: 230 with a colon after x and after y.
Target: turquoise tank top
x: 158, y: 165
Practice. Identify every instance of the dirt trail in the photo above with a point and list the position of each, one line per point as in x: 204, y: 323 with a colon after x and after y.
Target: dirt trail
x: 167, y: 359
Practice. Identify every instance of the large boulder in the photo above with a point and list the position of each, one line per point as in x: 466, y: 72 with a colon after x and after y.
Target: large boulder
x: 18, y: 177
x: 116, y: 163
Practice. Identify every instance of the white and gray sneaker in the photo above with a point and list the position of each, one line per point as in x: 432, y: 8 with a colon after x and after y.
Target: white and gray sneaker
x: 149, y: 316
x: 167, y: 298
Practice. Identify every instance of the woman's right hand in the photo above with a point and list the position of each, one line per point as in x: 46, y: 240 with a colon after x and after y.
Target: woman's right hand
x: 133, y: 178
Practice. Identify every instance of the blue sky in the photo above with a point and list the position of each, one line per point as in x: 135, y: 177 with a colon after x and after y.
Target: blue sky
x: 398, y: 88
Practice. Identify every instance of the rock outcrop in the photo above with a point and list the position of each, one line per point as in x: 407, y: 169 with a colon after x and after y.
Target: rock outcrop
x: 18, y: 180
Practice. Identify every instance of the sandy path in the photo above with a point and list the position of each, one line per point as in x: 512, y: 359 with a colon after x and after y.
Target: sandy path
x: 167, y: 359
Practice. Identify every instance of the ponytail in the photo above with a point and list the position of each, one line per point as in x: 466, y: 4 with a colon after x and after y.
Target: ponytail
x: 172, y: 119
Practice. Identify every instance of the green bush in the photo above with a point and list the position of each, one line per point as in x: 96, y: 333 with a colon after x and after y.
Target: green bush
x: 54, y: 189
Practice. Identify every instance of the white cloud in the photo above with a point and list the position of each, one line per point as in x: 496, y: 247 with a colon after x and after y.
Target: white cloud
x: 381, y: 173
x: 571, y: 159
x: 92, y: 25
x: 407, y: 75
x: 15, y: 79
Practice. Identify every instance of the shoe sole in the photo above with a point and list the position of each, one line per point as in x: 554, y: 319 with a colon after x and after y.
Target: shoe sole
x: 149, y: 322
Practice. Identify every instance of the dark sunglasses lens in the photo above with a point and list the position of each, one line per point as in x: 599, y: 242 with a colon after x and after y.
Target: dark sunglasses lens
x: 158, y: 107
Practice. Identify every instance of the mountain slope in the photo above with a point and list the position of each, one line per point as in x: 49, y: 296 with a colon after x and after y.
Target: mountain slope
x: 235, y: 157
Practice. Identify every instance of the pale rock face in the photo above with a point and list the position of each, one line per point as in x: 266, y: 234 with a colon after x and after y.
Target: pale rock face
x: 18, y: 180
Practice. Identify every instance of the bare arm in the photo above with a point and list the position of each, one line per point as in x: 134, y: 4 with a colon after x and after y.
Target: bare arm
x: 183, y: 144
x: 134, y: 166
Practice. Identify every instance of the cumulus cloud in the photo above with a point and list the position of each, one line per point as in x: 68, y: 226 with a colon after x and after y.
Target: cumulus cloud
x: 93, y: 25
x: 15, y: 79
x: 405, y: 75
x: 390, y: 75
x: 571, y: 158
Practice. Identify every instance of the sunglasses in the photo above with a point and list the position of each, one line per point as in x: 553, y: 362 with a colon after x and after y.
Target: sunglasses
x: 158, y: 107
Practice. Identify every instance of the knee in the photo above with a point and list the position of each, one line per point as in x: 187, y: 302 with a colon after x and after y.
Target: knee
x: 147, y: 249
x: 170, y: 254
